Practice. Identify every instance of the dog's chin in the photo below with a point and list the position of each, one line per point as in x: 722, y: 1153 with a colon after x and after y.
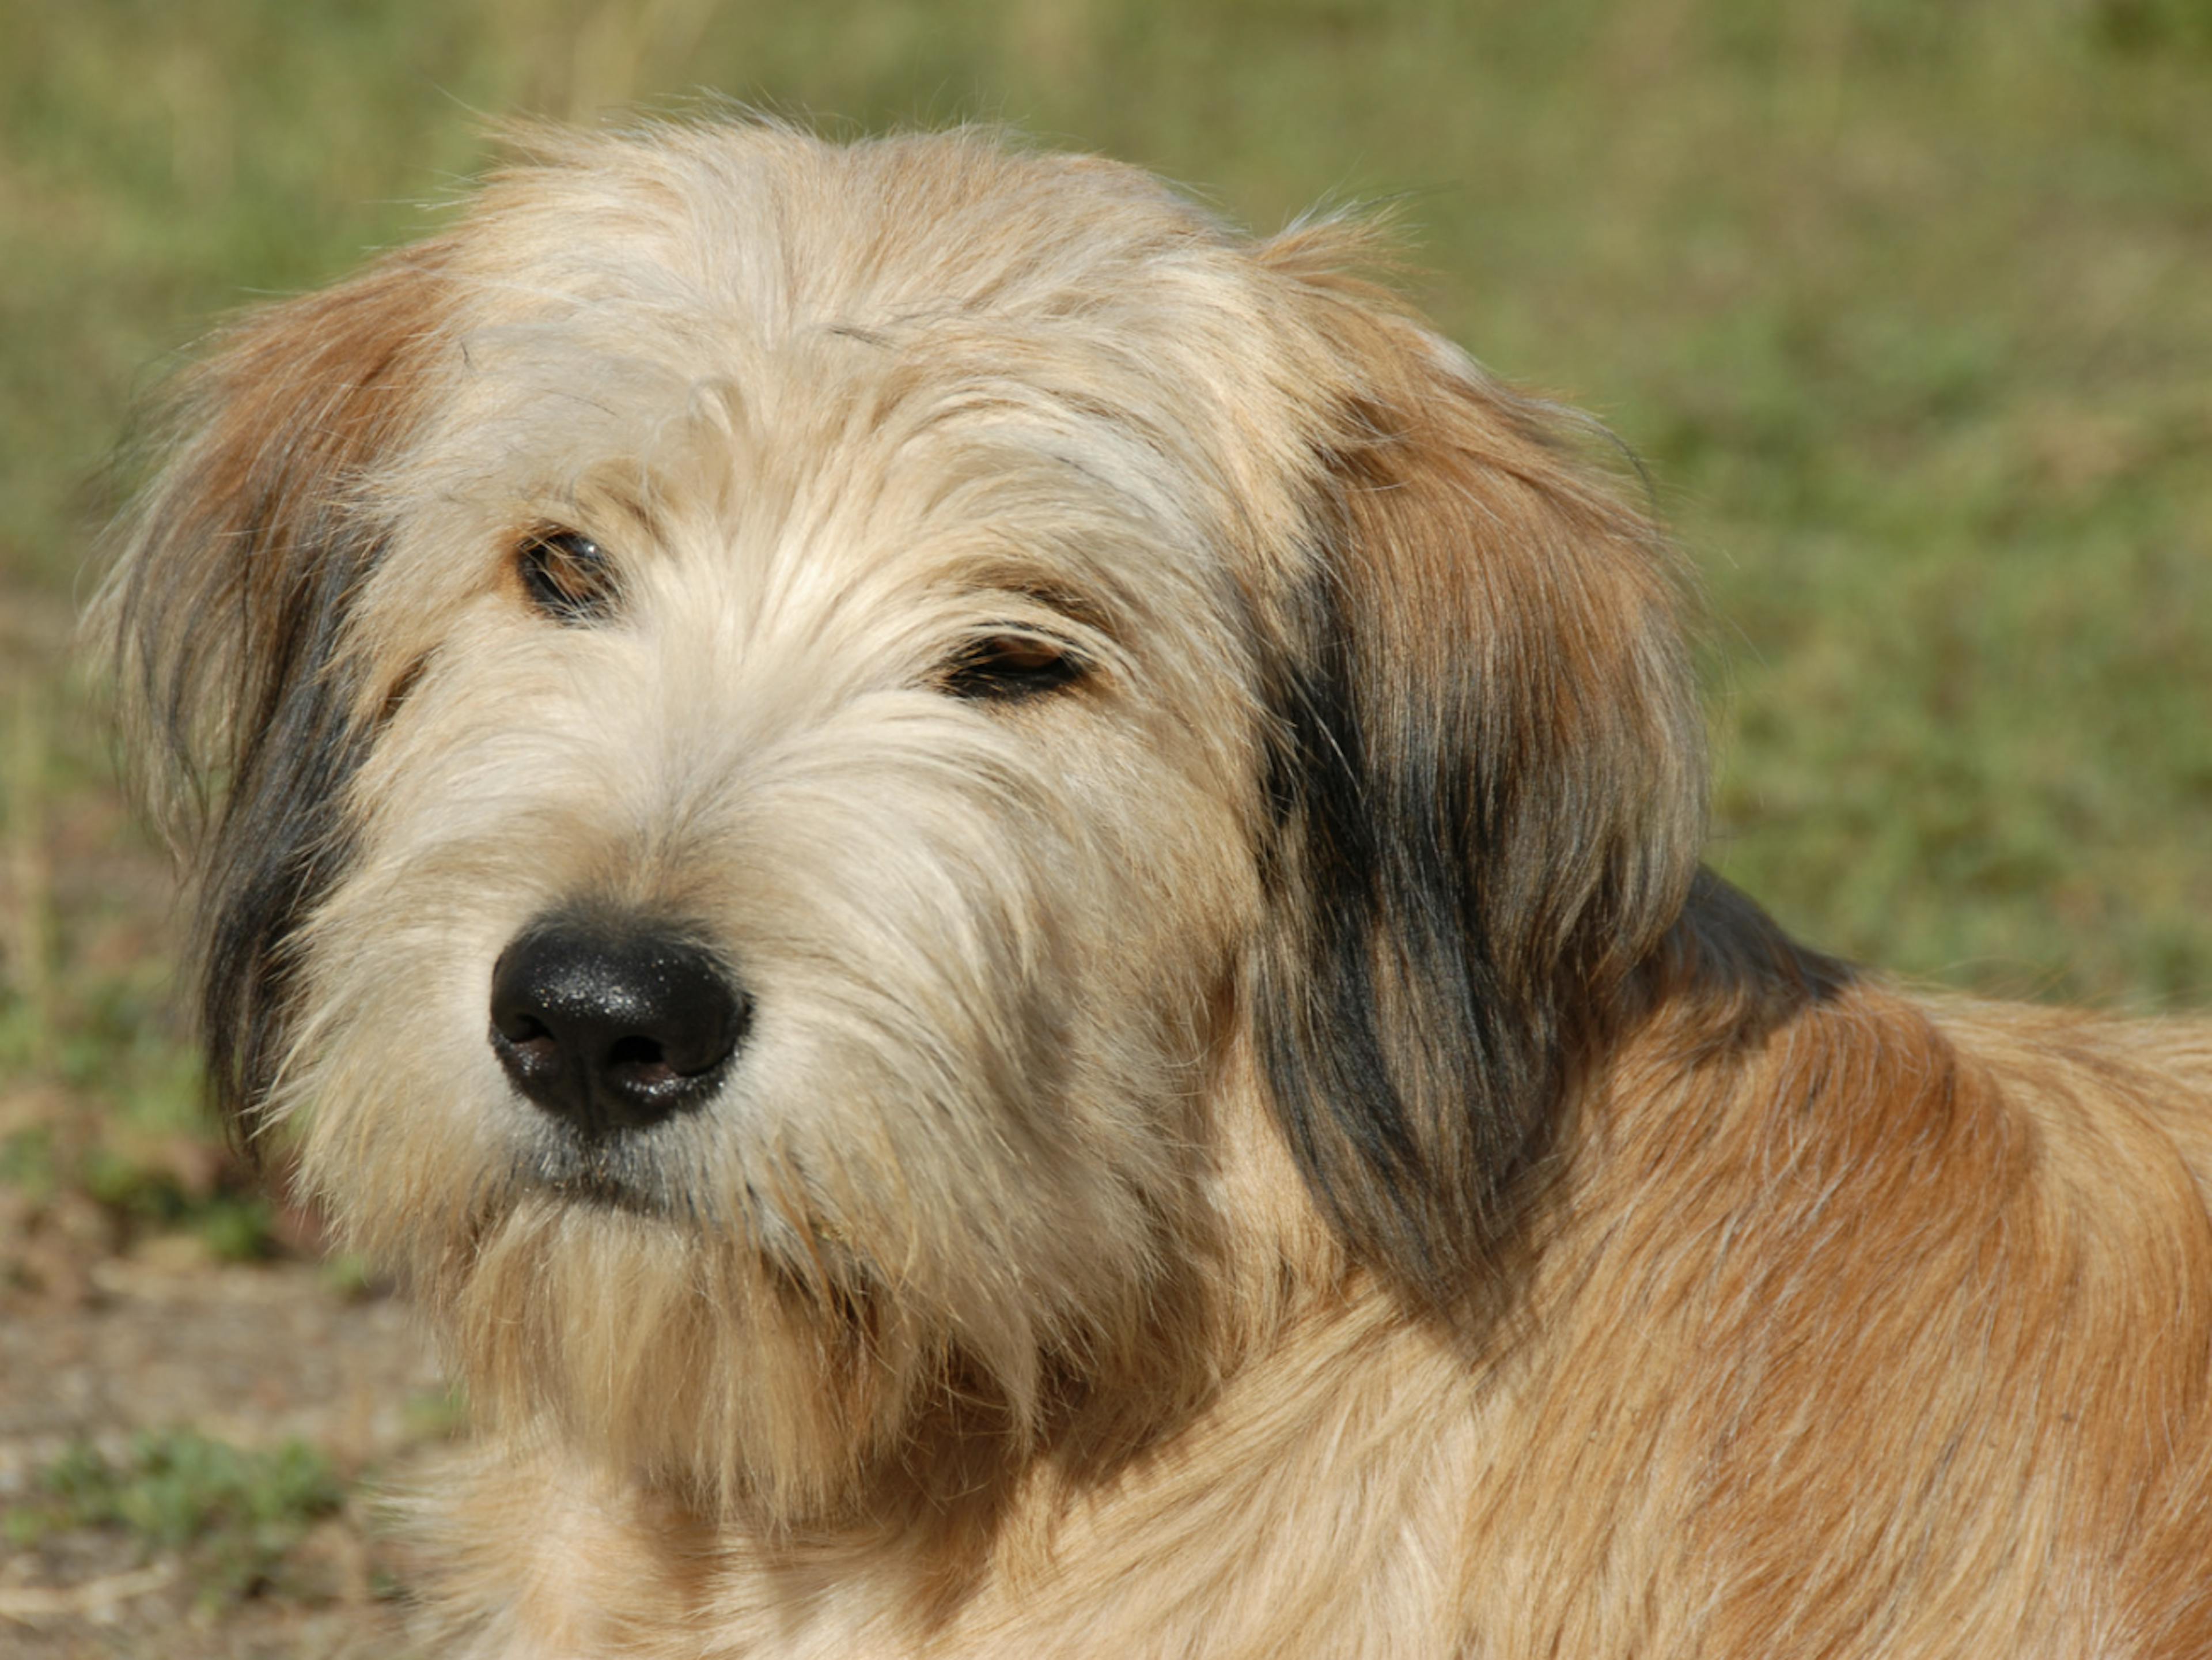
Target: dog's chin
x: 591, y: 1306
x: 629, y: 1172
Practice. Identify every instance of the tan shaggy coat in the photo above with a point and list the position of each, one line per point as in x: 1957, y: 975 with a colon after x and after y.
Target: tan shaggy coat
x: 1251, y: 1136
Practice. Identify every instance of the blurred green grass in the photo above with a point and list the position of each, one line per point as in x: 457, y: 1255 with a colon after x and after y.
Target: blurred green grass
x: 234, y: 1515
x: 1907, y: 307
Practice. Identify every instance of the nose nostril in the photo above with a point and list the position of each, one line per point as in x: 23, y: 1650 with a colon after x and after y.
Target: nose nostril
x: 613, y: 1024
x: 635, y: 1052
x: 519, y: 1027
x: 641, y: 1063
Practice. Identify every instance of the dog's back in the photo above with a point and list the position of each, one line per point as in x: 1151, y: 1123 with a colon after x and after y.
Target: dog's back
x: 1873, y: 1325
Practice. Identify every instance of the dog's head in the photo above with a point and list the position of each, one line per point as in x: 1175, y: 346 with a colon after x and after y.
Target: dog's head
x: 776, y: 724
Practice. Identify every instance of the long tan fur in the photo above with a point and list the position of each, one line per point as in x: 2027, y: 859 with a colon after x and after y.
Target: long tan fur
x: 1250, y: 1134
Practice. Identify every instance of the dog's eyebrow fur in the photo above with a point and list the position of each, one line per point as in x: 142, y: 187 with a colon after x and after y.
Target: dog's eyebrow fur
x: 992, y: 582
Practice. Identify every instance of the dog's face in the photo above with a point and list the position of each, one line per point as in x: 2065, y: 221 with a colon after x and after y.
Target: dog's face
x: 783, y: 718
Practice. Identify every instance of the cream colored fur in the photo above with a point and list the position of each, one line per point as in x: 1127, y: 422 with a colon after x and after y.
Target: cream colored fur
x: 1006, y: 1301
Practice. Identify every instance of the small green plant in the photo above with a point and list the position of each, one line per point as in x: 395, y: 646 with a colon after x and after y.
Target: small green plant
x: 231, y: 1514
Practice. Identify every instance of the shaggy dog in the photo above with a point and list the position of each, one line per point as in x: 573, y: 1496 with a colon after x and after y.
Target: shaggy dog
x: 996, y: 896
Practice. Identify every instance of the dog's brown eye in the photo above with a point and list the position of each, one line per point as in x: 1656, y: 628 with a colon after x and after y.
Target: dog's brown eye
x: 566, y: 575
x: 1010, y: 666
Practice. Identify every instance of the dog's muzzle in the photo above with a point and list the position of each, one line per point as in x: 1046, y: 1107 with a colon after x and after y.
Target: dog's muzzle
x: 614, y: 1022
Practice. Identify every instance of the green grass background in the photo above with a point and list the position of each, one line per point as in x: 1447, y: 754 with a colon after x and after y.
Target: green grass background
x: 1907, y: 304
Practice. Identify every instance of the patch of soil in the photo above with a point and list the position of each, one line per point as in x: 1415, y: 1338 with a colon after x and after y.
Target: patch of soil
x: 254, y: 1356
x: 111, y: 1329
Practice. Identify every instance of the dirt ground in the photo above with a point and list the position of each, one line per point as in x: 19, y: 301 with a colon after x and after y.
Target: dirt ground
x: 254, y: 1357
x: 249, y: 1355
x: 122, y: 1327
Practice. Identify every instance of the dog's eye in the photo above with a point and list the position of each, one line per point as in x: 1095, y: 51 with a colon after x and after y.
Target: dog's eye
x: 567, y: 575
x: 1005, y: 666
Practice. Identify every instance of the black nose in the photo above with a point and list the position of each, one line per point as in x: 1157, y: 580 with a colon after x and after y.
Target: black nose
x: 613, y: 1024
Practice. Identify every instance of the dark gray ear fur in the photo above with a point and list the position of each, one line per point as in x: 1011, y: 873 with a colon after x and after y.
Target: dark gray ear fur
x: 1487, y: 791
x: 235, y: 568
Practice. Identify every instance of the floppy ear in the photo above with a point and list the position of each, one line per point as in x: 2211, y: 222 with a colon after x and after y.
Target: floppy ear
x: 1487, y: 788
x: 226, y: 613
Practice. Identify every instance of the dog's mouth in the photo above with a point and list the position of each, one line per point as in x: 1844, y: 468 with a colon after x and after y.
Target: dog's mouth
x: 613, y: 1173
x: 600, y: 1191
